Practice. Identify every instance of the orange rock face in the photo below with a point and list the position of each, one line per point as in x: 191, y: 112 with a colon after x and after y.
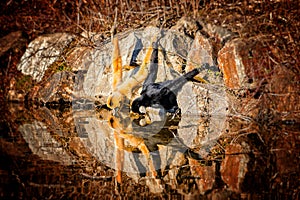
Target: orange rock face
x: 229, y: 66
x: 244, y: 63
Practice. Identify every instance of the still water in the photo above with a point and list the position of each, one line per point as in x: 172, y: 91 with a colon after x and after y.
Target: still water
x: 67, y: 152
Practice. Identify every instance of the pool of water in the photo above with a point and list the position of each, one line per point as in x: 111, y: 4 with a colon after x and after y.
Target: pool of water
x: 62, y: 152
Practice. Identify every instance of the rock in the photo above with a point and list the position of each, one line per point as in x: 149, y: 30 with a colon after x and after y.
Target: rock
x: 235, y: 166
x: 195, y: 100
x: 42, y: 52
x: 243, y: 63
x: 202, y: 52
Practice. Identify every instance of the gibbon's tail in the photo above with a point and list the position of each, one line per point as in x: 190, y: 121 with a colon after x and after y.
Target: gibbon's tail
x: 191, y: 74
x: 176, y: 84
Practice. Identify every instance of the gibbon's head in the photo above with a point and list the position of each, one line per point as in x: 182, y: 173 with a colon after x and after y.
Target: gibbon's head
x: 136, y: 104
x: 114, y: 100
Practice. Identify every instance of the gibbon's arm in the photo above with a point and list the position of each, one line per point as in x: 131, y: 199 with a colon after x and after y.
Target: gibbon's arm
x: 116, y: 64
x: 125, y: 89
x: 153, y: 68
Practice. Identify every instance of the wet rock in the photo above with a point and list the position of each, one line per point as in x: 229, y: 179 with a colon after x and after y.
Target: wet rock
x: 154, y: 185
x: 235, y: 166
x: 243, y: 63
x: 42, y: 53
x: 50, y: 134
x: 204, y: 175
x: 174, y: 165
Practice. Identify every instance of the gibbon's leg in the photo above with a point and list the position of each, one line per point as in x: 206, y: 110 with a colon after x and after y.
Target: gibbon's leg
x: 113, y: 100
x: 117, y: 78
x: 153, y: 67
x: 125, y: 89
x: 116, y: 64
x: 146, y: 152
x: 120, y: 136
x: 133, y: 61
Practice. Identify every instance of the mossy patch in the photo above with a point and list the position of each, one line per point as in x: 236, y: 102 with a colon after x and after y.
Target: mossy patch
x: 63, y: 67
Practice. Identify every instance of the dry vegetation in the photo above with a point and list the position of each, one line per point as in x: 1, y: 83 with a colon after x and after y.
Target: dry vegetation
x: 274, y: 23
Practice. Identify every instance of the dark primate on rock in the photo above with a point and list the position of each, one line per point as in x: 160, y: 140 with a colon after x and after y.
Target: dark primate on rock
x: 162, y: 93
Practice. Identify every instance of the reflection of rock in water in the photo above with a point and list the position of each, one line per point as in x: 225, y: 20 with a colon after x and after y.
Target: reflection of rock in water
x: 42, y: 143
x: 203, y: 111
x: 99, y: 139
